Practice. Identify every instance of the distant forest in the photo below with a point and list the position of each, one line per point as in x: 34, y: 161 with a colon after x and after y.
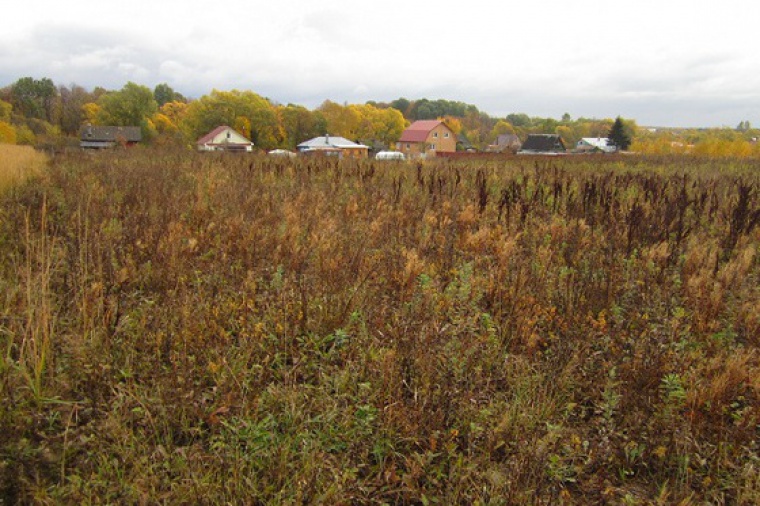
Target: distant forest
x: 42, y: 113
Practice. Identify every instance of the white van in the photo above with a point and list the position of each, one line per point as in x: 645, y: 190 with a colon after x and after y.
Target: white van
x: 390, y: 155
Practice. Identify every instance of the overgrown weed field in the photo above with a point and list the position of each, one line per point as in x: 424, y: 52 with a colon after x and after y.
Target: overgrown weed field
x: 181, y: 328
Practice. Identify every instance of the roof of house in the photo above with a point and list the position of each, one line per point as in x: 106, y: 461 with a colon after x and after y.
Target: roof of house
x: 543, y: 143
x: 330, y: 141
x: 419, y: 130
x: 209, y: 137
x: 91, y: 133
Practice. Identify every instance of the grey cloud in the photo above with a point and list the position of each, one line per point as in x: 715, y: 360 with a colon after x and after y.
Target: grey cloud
x: 92, y: 57
x: 691, y: 91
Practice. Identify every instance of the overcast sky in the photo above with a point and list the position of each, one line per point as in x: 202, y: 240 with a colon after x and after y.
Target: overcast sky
x: 663, y: 62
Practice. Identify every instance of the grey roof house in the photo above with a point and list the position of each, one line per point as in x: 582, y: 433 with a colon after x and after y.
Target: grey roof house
x: 331, y: 145
x: 103, y: 137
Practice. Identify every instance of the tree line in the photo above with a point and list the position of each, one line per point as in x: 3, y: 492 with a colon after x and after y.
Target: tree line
x: 37, y: 111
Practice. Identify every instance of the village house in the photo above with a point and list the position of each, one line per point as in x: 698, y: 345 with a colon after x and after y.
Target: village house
x: 427, y: 137
x: 224, y: 138
x: 328, y: 145
x: 542, y: 144
x: 505, y: 143
x: 104, y: 137
x: 595, y: 145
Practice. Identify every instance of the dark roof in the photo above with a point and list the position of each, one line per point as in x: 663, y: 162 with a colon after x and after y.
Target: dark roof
x: 544, y: 143
x: 110, y: 133
x: 419, y: 130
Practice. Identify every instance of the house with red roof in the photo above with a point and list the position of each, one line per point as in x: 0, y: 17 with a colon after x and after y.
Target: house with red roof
x: 224, y: 138
x: 427, y: 137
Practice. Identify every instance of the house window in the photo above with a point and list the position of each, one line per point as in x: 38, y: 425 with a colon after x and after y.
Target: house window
x: 446, y: 135
x: 408, y: 146
x: 432, y: 146
x: 435, y: 135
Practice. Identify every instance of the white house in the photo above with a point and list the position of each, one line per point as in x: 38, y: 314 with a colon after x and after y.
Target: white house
x: 595, y: 144
x: 224, y: 138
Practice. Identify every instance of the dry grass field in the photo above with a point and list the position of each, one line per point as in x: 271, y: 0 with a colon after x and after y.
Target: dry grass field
x: 18, y: 163
x: 186, y: 329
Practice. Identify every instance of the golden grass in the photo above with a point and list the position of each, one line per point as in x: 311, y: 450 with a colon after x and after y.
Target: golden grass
x: 18, y: 163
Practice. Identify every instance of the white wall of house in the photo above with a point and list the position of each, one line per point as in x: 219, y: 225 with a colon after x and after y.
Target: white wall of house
x: 227, y: 136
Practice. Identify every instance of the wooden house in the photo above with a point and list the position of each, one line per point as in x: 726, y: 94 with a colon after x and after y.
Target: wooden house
x: 505, y: 143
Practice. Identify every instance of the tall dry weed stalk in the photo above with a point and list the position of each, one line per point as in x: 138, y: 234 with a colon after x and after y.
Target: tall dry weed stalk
x: 39, y: 303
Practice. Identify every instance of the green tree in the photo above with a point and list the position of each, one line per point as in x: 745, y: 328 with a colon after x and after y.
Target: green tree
x: 402, y: 105
x: 300, y: 124
x: 130, y: 106
x: 71, y: 102
x: 619, y: 134
x: 34, y: 98
x: 163, y: 93
x: 519, y: 120
x: 547, y: 125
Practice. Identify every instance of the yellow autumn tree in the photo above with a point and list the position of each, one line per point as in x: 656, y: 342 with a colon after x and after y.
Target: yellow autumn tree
x: 740, y: 148
x: 24, y: 135
x: 90, y: 113
x: 7, y: 133
x: 344, y: 121
x: 163, y: 124
x: 502, y: 128
x: 454, y: 123
x: 174, y: 111
x: 242, y: 125
x: 375, y: 124
x: 252, y: 114
x: 567, y: 136
x: 5, y: 111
